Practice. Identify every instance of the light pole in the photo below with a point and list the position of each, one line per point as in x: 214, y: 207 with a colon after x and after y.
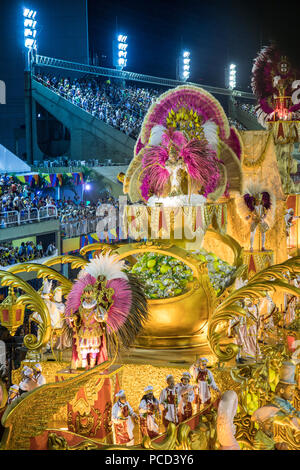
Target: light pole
x: 30, y: 44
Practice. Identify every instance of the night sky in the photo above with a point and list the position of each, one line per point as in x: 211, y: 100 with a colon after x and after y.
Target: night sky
x: 215, y: 32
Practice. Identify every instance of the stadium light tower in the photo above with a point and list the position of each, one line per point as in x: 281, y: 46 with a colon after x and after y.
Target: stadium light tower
x: 30, y: 28
x: 232, y: 77
x: 184, y: 66
x: 120, y: 46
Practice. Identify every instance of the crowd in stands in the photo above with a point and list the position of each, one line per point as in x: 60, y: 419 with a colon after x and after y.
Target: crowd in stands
x: 28, y: 251
x: 238, y: 125
x: 121, y: 107
x: 64, y: 161
x: 79, y: 219
x: 16, y: 198
x: 249, y: 108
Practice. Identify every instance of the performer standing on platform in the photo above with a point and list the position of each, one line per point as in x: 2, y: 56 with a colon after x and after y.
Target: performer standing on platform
x: 169, y: 400
x: 28, y: 383
x: 13, y: 393
x: 184, y: 385
x: 185, y: 407
x: 149, y: 409
x: 205, y: 380
x: 106, y: 307
x: 38, y: 376
x: 122, y: 415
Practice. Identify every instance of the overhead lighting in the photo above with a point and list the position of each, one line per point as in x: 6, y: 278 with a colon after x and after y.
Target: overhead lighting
x: 29, y: 28
x: 120, y: 51
x: 183, y: 67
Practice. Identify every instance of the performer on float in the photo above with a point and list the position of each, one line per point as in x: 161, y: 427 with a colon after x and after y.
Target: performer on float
x: 63, y: 339
x: 266, y: 309
x: 265, y: 417
x: 284, y: 395
x: 258, y: 203
x: 184, y: 385
x: 204, y: 379
x: 169, y: 401
x: 13, y: 393
x: 289, y: 218
x: 38, y: 376
x: 122, y: 422
x: 291, y: 303
x: 89, y: 329
x: 28, y: 383
x: 149, y: 412
x: 106, y: 307
x: 185, y: 406
x: 246, y: 330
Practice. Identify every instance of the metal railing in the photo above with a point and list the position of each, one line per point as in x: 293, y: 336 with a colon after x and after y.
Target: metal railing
x: 80, y: 227
x: 43, y: 61
x: 12, y: 218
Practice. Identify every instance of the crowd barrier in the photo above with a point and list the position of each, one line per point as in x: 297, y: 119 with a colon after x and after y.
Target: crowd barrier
x: 12, y: 218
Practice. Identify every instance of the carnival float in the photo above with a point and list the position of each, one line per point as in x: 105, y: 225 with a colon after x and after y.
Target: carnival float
x: 206, y: 296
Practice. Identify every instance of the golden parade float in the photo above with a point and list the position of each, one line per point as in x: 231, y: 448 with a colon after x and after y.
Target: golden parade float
x: 200, y: 309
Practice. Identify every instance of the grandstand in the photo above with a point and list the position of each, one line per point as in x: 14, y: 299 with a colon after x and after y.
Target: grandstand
x: 101, y: 110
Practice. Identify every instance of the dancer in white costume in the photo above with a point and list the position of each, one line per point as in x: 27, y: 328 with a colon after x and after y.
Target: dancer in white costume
x: 149, y: 412
x: 204, y: 379
x: 122, y: 420
x: 169, y: 401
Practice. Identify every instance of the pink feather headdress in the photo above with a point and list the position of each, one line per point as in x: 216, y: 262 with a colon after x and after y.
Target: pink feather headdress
x: 128, y: 309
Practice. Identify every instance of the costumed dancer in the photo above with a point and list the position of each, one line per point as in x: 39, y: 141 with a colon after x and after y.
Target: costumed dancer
x: 28, y: 383
x: 289, y: 218
x: 204, y: 379
x: 258, y: 203
x: 265, y: 417
x: 38, y: 376
x: 89, y: 326
x: 169, y: 401
x: 106, y: 305
x: 63, y: 340
x: 13, y: 393
x: 284, y: 394
x: 186, y: 397
x: 148, y: 410
x: 122, y: 415
x: 245, y: 330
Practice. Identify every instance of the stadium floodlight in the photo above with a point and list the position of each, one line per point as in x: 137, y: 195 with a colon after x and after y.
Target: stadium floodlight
x: 29, y: 28
x: 120, y: 51
x: 183, y: 66
x: 231, y: 76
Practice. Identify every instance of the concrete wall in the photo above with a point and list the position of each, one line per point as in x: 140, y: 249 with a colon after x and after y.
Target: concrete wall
x: 249, y: 121
x: 90, y: 137
x: 34, y: 229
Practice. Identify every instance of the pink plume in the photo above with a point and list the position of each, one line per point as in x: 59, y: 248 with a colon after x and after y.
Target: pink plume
x: 155, y: 177
x: 234, y: 143
x: 200, y: 163
x: 122, y: 299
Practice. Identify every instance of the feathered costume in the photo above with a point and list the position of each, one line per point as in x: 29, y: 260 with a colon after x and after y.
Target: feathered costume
x: 259, y: 206
x: 185, y: 147
x: 276, y: 85
x: 118, y: 302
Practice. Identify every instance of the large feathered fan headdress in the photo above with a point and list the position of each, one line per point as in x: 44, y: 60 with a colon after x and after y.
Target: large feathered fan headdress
x: 193, y: 123
x: 126, y: 307
x: 273, y: 77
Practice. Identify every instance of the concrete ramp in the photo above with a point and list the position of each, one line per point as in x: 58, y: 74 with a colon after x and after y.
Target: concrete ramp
x: 90, y: 137
x: 245, y: 118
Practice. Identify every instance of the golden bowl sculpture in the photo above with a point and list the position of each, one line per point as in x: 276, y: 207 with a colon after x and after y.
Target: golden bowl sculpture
x: 177, y: 322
